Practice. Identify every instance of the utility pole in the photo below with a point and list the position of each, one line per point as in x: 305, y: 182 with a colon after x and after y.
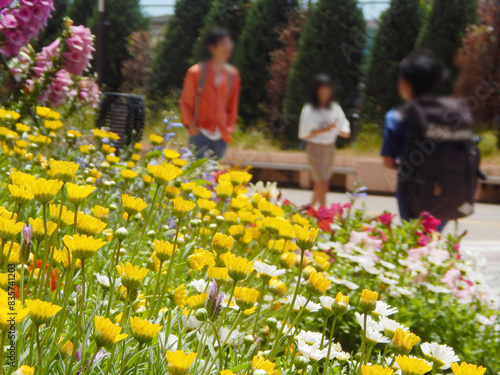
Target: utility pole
x: 102, y: 41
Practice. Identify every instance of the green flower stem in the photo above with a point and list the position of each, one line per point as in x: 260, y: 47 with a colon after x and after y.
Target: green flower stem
x: 363, y: 342
x: 87, y: 369
x: 332, y: 331
x: 38, y: 349
x: 112, y: 278
x: 46, y: 252
x: 75, y: 219
x: 290, y: 309
x: 157, y: 284
x: 231, y: 295
x: 221, y: 346
x: 145, y: 227
x: 259, y: 307
x: 169, y: 270
x: 139, y: 348
x: 2, y: 344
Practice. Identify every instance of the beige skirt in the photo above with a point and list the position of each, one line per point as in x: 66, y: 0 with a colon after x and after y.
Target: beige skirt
x: 320, y: 159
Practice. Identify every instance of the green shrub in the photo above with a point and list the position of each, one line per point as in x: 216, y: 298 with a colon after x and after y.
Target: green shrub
x: 489, y: 143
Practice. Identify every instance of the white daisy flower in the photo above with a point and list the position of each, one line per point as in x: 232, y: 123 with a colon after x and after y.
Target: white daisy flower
x: 106, y: 282
x: 370, y: 323
x: 310, y: 337
x: 390, y: 325
x: 199, y: 285
x: 383, y: 309
x: 442, y: 355
x: 375, y: 336
x: 267, y: 269
x: 301, y: 302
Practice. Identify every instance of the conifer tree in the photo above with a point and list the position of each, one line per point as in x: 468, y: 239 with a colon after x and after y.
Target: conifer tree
x: 175, y: 52
x: 264, y: 22
x: 397, y: 34
x: 228, y: 14
x: 332, y: 42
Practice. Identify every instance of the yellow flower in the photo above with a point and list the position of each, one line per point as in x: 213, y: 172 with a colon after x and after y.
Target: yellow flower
x: 403, y: 341
x: 9, y: 228
x: 180, y: 296
x: 277, y: 286
x: 238, y: 268
x: 222, y: 243
x: 179, y: 362
x: 155, y: 139
x: 53, y: 124
x: 288, y: 260
x: 164, y: 173
x: 163, y: 250
x: 195, y: 302
x: 171, y: 192
x: 63, y: 170
x: 368, y: 300
x: 375, y: 370
x: 24, y: 370
x: 133, y: 206
x: 10, y: 309
x: 77, y: 194
x: 131, y: 275
x: 412, y: 366
x: 127, y: 174
x: 179, y: 163
x: 82, y: 246
x: 67, y: 216
x: 182, y: 207
x: 67, y: 349
x: 259, y: 363
x: 21, y: 194
x: 22, y: 128
x: 237, y: 177
x: 87, y: 149
x: 170, y: 154
x: 73, y: 133
x: 201, y: 192
x: 22, y: 179
x: 305, y: 236
x: 318, y: 284
x: 47, y: 113
x: 246, y: 297
x: 467, y: 369
x: 143, y: 330
x: 39, y: 228
x: 219, y: 274
x: 46, y: 190
x: 112, y: 159
x: 41, y: 311
x: 89, y: 225
x: 106, y: 333
x: 205, y: 205
x: 227, y: 372
x: 101, y: 213
x: 237, y: 231
x: 224, y: 190
x: 200, y: 259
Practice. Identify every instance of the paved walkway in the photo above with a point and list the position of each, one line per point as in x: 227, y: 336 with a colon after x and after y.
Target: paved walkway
x: 483, y: 227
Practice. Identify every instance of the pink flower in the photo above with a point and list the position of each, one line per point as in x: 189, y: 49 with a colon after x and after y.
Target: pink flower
x: 385, y: 218
x: 79, y: 47
x: 429, y: 222
x: 58, y: 90
x: 5, y: 3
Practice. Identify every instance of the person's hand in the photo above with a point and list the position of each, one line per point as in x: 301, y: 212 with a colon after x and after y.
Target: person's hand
x: 331, y: 126
x: 193, y: 130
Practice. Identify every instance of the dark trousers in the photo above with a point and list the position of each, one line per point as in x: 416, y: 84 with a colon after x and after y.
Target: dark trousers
x: 202, y: 144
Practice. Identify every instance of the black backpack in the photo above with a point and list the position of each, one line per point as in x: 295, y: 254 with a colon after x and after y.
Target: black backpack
x: 440, y: 164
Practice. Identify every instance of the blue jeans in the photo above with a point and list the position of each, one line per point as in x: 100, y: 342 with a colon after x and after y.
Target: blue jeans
x: 202, y: 144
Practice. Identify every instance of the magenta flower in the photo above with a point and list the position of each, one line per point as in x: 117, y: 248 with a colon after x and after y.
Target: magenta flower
x: 5, y: 3
x: 79, y: 48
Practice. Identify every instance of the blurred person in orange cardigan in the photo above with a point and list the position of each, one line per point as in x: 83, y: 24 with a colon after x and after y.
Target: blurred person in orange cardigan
x: 210, y: 97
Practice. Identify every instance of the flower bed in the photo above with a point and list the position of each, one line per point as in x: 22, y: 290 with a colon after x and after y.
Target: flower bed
x: 161, y: 264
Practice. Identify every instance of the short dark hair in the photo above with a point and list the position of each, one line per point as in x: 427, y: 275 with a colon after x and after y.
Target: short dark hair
x: 422, y: 72
x: 215, y: 35
x: 321, y: 80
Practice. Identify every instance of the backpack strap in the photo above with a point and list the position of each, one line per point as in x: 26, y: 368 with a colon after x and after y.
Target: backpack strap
x: 201, y: 84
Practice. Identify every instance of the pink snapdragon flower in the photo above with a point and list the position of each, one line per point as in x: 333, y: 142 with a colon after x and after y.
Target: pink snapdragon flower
x: 21, y: 23
x: 89, y: 92
x: 80, y: 46
x: 59, y: 88
x: 5, y: 3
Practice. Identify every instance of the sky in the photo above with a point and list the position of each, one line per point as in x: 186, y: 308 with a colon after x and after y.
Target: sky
x: 372, y: 10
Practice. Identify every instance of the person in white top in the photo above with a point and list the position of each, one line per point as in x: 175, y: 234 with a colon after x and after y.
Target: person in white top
x: 321, y: 122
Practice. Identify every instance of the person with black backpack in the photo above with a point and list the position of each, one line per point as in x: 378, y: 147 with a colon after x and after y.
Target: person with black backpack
x: 431, y: 144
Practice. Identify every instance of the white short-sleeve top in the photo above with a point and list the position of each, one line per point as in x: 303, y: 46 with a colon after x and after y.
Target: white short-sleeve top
x: 317, y: 118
